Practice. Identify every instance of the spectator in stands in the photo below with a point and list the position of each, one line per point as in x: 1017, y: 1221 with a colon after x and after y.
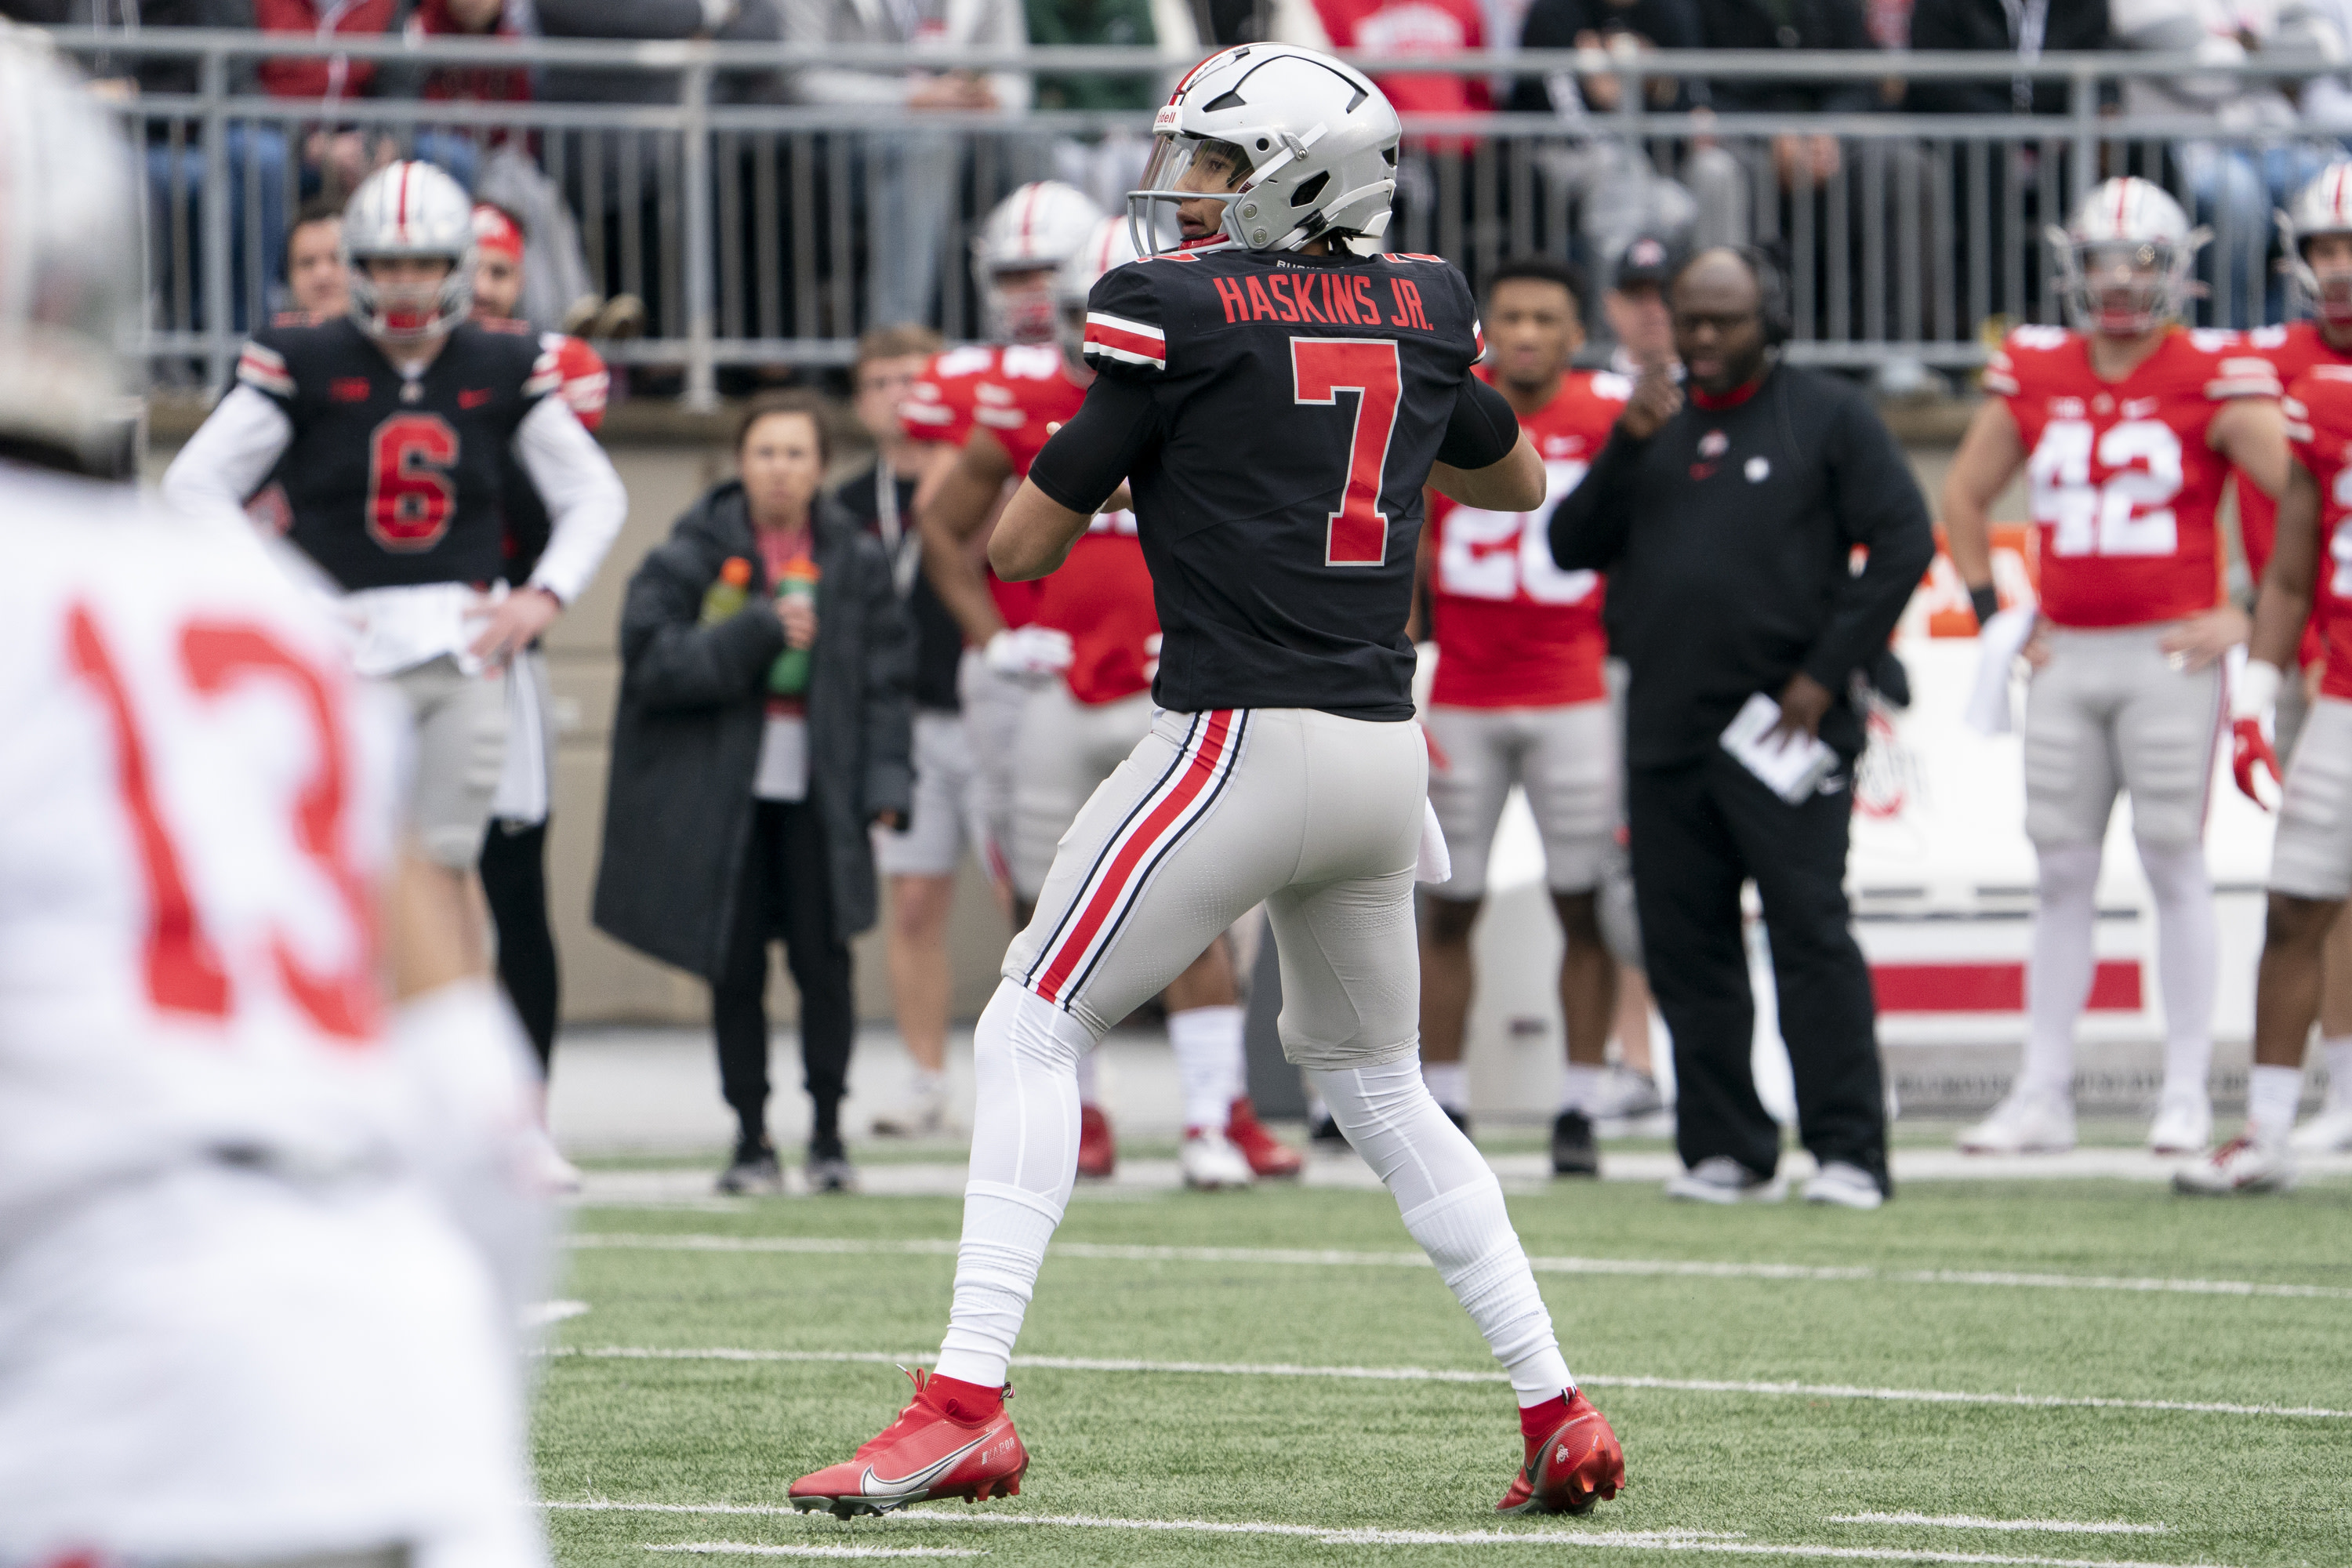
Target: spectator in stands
x: 912, y: 171
x: 2237, y: 182
x: 1107, y: 167
x: 1429, y: 27
x: 920, y: 861
x: 2028, y: 32
x: 457, y: 147
x: 1749, y: 191
x: 730, y: 21
x: 335, y: 157
x: 1635, y: 304
x: 256, y: 151
x: 1619, y: 190
x: 744, y: 780
x: 317, y: 282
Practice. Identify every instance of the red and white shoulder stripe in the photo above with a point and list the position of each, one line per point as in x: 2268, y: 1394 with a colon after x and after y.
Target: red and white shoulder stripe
x: 2243, y: 376
x: 546, y: 375
x: 1128, y: 341
x: 264, y: 369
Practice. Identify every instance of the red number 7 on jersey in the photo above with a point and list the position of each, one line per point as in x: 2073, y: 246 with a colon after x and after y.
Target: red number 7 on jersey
x: 1321, y: 369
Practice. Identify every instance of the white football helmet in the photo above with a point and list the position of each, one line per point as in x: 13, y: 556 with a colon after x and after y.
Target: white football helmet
x: 2124, y: 260
x: 2323, y: 206
x: 409, y: 209
x: 69, y: 284
x: 1107, y: 245
x: 1035, y: 229
x: 1314, y: 140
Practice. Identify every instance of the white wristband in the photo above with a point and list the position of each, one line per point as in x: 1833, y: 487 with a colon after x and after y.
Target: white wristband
x: 2258, y: 690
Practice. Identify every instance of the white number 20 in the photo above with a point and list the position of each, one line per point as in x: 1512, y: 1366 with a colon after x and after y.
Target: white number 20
x: 1492, y: 555
x: 2130, y: 514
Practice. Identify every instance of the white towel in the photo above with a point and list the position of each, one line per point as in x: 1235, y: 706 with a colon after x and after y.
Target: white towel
x: 1999, y: 642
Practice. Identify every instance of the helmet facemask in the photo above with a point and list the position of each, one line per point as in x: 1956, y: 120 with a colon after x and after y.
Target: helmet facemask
x: 412, y: 311
x: 2326, y: 287
x: 2124, y: 288
x: 1024, y: 314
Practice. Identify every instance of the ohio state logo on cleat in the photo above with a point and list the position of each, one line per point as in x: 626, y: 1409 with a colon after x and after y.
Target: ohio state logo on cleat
x: 1575, y: 1465
x: 935, y: 1450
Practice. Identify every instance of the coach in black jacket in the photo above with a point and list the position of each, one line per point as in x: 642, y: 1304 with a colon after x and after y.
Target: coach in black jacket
x: 1727, y: 529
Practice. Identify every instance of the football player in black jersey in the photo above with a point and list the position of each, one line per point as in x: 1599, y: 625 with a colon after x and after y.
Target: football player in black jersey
x: 1275, y: 401
x: 393, y: 422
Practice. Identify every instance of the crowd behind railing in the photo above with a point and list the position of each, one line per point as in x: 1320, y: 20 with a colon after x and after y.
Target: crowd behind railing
x: 744, y: 185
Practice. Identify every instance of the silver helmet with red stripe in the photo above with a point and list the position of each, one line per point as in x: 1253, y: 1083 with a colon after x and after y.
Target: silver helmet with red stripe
x: 1017, y: 251
x: 1107, y: 245
x: 2322, y: 207
x: 1297, y: 145
x: 68, y: 283
x: 2123, y: 259
x: 409, y: 212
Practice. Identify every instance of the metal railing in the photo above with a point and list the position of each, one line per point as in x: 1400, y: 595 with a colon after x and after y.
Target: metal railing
x: 762, y: 233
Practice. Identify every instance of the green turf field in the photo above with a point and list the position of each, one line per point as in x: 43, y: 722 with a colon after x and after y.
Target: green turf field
x: 2129, y: 1359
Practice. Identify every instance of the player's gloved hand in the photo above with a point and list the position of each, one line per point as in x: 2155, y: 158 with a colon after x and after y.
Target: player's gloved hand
x: 2249, y: 747
x: 1029, y: 653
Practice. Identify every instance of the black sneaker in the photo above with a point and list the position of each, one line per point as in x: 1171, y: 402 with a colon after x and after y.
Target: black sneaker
x: 1572, y: 1150
x: 828, y: 1169
x: 753, y: 1171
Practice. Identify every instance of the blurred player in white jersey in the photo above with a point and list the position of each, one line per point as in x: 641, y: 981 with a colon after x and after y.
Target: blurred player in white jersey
x: 261, y: 1236
x: 2126, y: 428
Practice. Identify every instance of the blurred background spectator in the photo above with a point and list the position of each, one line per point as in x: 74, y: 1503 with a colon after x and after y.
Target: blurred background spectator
x: 2235, y: 185
x: 911, y: 174
x: 1619, y: 190
x: 744, y: 782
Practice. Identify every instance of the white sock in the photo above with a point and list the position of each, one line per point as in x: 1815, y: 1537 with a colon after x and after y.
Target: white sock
x: 2058, y: 973
x: 2339, y: 1072
x: 2271, y: 1094
x: 930, y: 1084
x: 1089, y: 1088
x: 1449, y: 1082
x: 1581, y: 1088
x: 1024, y: 1161
x: 2188, y: 963
x: 1208, y: 1045
x: 1454, y: 1206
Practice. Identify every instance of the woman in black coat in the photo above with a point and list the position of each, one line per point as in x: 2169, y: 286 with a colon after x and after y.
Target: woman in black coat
x: 735, y: 814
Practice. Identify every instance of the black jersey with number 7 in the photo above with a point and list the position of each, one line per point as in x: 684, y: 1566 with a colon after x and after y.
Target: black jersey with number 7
x: 1297, y: 403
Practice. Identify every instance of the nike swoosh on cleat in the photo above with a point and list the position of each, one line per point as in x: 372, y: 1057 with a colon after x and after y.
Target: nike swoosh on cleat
x: 872, y: 1485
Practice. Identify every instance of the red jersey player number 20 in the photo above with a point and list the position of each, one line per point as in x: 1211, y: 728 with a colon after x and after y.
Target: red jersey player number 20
x: 1513, y: 629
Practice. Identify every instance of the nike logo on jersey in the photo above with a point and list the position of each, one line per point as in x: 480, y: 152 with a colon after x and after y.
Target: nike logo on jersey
x: 348, y: 389
x: 468, y: 399
x: 873, y: 1485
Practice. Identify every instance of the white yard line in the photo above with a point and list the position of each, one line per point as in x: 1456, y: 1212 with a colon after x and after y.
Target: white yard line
x: 540, y: 1314
x: 1966, y: 1522
x: 750, y: 1549
x: 1439, y: 1374
x: 1570, y: 1538
x: 1307, y: 1258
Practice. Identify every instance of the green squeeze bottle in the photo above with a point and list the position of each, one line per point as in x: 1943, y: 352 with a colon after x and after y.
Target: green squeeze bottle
x: 789, y: 675
x: 725, y: 596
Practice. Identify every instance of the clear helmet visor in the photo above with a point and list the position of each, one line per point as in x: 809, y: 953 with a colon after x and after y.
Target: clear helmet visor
x: 1184, y: 171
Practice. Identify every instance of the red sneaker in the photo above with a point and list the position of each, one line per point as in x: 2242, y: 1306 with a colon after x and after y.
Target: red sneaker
x: 1097, y: 1150
x: 928, y: 1452
x: 1577, y: 1464
x: 1266, y: 1154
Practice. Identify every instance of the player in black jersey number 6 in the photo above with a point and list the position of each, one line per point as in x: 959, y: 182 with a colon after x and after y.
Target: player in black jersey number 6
x: 395, y: 424
x: 1276, y: 403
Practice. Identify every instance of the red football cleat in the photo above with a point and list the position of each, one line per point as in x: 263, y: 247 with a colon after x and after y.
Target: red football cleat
x: 1267, y: 1155
x: 1578, y: 1463
x: 931, y: 1451
x: 1097, y: 1150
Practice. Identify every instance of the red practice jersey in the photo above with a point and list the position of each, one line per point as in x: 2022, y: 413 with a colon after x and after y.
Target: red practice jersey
x: 2293, y: 349
x: 1513, y: 630
x: 941, y: 407
x: 2318, y: 409
x: 2124, y: 491
x: 1101, y: 596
